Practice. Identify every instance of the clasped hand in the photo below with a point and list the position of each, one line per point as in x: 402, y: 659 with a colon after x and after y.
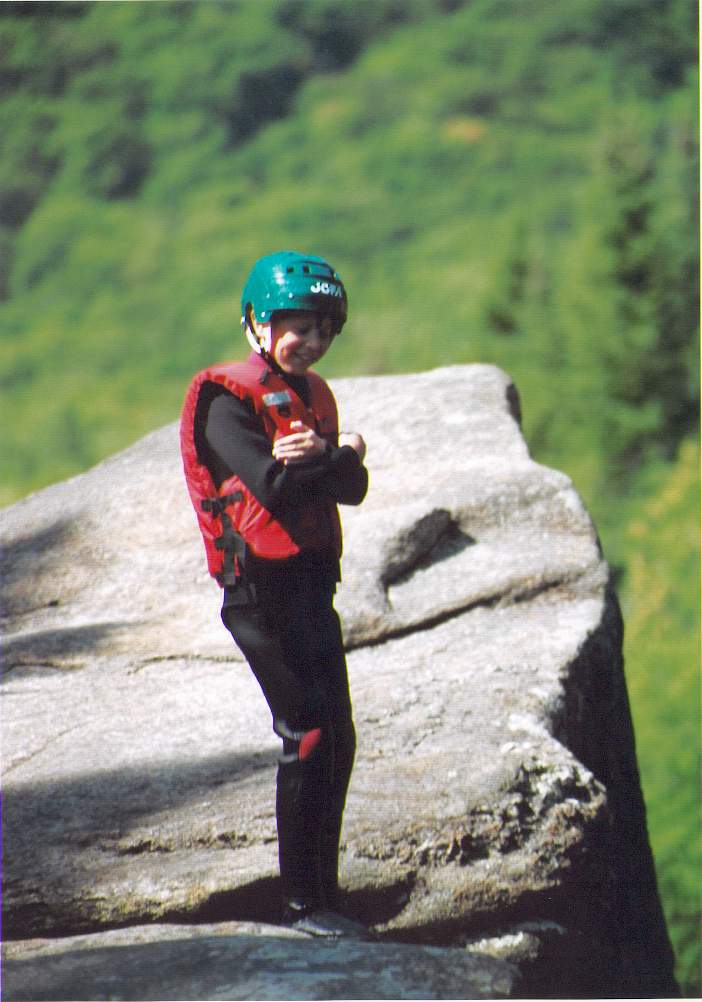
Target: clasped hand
x: 304, y: 444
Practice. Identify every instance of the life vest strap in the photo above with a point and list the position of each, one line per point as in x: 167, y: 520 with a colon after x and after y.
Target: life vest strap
x: 217, y: 505
x: 230, y: 542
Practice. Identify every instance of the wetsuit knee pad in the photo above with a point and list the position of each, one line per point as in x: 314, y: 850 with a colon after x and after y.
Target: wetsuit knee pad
x: 301, y: 745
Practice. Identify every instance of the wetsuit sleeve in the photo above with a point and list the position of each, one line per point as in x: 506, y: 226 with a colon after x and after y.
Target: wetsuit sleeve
x: 236, y: 436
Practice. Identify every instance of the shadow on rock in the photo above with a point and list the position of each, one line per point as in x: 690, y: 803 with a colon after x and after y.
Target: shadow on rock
x: 102, y: 811
x: 21, y: 559
x: 56, y: 649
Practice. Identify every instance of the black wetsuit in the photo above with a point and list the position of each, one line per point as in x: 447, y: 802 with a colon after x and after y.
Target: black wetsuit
x: 289, y: 633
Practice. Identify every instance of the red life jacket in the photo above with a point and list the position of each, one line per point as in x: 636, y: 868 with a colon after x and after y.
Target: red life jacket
x: 231, y: 516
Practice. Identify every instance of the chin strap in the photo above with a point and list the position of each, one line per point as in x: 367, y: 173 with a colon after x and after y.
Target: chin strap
x: 264, y: 350
x: 261, y: 348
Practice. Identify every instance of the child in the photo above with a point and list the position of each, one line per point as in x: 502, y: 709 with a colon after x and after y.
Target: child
x: 266, y: 466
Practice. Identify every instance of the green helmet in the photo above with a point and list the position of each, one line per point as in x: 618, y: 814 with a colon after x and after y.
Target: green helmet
x: 291, y: 281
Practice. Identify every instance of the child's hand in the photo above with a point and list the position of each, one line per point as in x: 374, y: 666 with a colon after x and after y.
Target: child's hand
x: 301, y: 445
x: 355, y: 441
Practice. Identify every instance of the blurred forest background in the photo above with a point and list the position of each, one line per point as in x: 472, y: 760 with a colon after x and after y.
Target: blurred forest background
x: 505, y: 181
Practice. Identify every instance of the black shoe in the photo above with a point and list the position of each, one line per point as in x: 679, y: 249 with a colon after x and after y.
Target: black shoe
x: 323, y: 923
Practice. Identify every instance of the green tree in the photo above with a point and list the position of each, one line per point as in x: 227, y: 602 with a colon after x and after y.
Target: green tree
x: 628, y: 293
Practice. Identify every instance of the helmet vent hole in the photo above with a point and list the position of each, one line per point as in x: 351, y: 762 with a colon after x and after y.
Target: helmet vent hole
x: 306, y: 269
x: 289, y: 269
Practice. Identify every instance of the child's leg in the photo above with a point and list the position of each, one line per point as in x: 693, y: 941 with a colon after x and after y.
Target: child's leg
x: 299, y: 710
x: 317, y: 634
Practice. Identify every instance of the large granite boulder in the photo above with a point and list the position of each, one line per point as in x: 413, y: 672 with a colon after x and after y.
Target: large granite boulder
x: 495, y: 802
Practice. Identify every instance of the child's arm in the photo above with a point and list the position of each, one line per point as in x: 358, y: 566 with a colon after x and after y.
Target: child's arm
x: 304, y: 444
x: 356, y: 442
x: 236, y: 437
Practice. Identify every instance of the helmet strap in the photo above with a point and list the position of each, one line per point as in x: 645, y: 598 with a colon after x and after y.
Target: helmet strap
x: 261, y: 340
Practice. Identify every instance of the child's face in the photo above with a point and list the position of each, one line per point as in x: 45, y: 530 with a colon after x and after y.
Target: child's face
x: 300, y: 339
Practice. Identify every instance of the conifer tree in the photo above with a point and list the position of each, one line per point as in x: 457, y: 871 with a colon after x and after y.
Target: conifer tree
x: 627, y: 303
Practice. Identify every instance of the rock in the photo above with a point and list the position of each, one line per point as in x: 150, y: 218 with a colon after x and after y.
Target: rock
x: 496, y: 780
x: 239, y: 961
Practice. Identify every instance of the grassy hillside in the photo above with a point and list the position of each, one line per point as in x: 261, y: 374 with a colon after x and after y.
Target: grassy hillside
x: 661, y: 602
x: 508, y: 181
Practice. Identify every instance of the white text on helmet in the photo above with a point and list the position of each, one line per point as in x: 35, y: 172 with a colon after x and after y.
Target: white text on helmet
x: 328, y: 288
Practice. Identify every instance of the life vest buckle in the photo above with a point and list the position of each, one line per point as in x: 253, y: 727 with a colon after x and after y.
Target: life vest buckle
x: 230, y: 542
